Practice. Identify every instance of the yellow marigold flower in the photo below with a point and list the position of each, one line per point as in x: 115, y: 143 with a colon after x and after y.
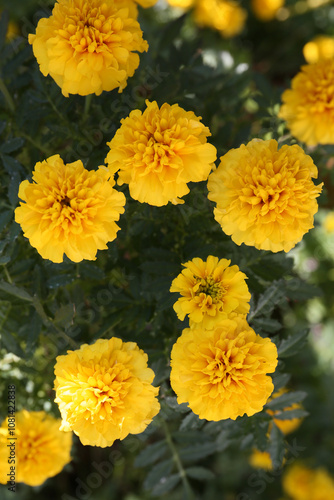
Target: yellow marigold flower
x: 226, y: 16
x: 261, y: 460
x: 183, y: 4
x: 211, y: 290
x: 41, y: 449
x: 319, y: 49
x: 302, y: 483
x: 68, y: 209
x: 266, y: 10
x: 89, y: 46
x: 221, y: 373
x: 287, y: 425
x: 265, y: 196
x: 328, y: 223
x: 308, y: 107
x: 105, y: 392
x: 158, y: 151
x: 146, y: 3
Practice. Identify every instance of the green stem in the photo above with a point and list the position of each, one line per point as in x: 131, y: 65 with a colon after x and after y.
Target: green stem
x: 189, y: 495
x: 7, y: 95
x: 88, y: 100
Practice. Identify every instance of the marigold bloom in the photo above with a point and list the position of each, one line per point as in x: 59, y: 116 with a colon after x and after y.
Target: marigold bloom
x: 146, y: 3
x: 226, y: 16
x: 308, y: 107
x: 302, y: 483
x: 319, y: 49
x: 261, y: 460
x: 285, y: 425
x: 211, y: 290
x: 328, y: 223
x: 266, y: 10
x: 105, y: 392
x: 183, y: 4
x: 265, y: 197
x: 88, y: 46
x: 221, y: 373
x: 158, y: 151
x: 68, y: 209
x: 41, y: 449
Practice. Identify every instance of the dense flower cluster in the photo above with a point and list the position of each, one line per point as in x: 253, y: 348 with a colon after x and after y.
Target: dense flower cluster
x: 319, y: 48
x: 68, y: 209
x: 210, y: 291
x: 302, y: 483
x: 265, y: 196
x: 41, y: 449
x: 266, y: 10
x: 308, y: 107
x: 222, y: 373
x: 158, y: 151
x: 89, y: 46
x: 104, y: 391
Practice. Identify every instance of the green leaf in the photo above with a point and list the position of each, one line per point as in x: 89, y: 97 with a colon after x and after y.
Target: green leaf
x: 14, y: 188
x: 273, y: 296
x: 286, y: 400
x: 267, y: 325
x: 10, y: 343
x: 5, y: 217
x: 166, y: 484
x: 12, y: 145
x: 157, y: 473
x: 151, y: 454
x: 200, y: 473
x: 174, y: 405
x: 64, y: 315
x: 191, y: 421
x: 197, y: 451
x: 280, y: 380
x: 297, y: 289
x: 293, y: 344
x: 15, y: 290
x: 276, y: 447
x: 290, y: 414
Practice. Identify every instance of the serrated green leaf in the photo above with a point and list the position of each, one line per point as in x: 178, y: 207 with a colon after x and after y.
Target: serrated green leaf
x: 191, y: 421
x: 151, y: 454
x: 200, y: 473
x: 60, y: 280
x: 64, y: 315
x: 15, y: 290
x: 281, y: 380
x: 273, y: 296
x: 293, y: 344
x: 290, y: 414
x: 11, y: 164
x: 14, y: 188
x: 10, y: 343
x: 267, y: 325
x: 197, y: 451
x: 286, y: 400
x: 166, y: 484
x: 12, y: 145
x: 174, y: 405
x: 158, y: 472
x: 5, y: 217
x: 297, y: 289
x: 276, y: 447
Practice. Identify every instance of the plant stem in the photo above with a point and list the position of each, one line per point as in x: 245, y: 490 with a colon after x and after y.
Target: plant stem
x: 88, y: 100
x: 7, y: 95
x: 189, y: 495
x: 9, y: 279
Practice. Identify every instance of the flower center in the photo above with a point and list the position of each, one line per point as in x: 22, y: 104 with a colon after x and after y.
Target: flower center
x: 209, y: 286
x: 65, y: 202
